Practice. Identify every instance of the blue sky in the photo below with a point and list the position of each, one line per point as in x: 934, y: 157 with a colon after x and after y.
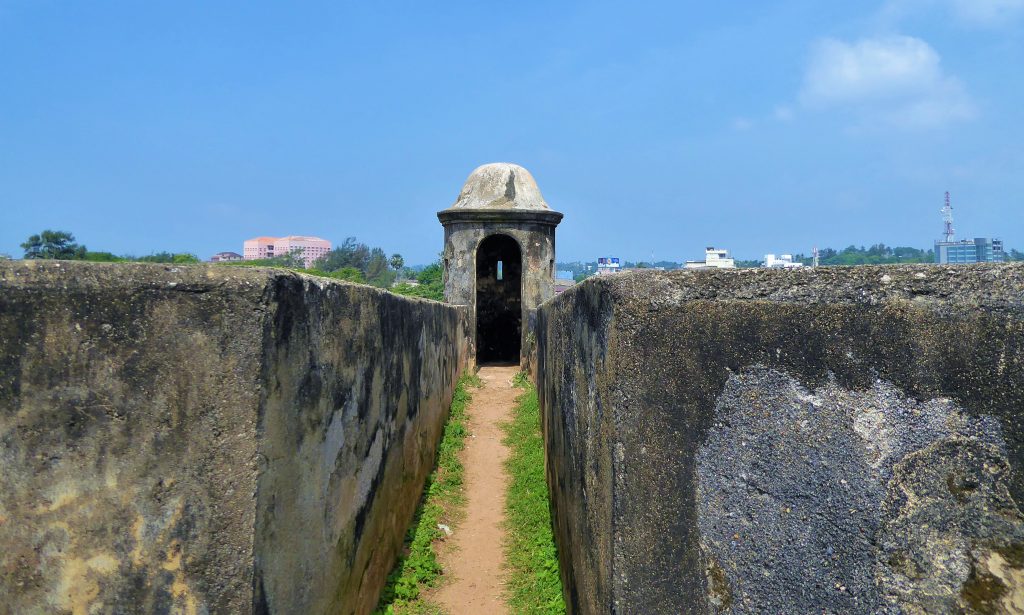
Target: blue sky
x: 657, y: 128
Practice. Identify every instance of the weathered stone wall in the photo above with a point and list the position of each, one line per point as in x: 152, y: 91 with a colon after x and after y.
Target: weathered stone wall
x: 211, y: 439
x: 833, y: 440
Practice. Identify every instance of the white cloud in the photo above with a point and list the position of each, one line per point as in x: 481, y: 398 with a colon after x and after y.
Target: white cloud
x: 896, y: 80
x: 783, y: 113
x: 869, y: 69
x: 987, y: 12
x: 977, y: 13
x: 741, y: 124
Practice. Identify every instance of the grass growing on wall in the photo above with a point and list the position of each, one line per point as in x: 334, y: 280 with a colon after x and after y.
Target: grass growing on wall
x: 534, y: 585
x: 417, y: 568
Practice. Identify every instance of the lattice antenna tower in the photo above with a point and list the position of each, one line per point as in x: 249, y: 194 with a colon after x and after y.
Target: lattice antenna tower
x: 947, y: 218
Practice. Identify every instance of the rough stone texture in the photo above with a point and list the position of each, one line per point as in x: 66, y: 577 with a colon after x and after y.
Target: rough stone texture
x: 841, y: 440
x: 500, y: 185
x: 211, y: 439
x: 501, y: 199
x: 791, y: 504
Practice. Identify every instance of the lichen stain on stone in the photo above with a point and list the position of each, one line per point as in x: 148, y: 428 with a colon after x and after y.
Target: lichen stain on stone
x: 173, y: 561
x: 60, y: 496
x: 138, y: 533
x: 948, y: 510
x: 79, y: 584
x: 960, y: 486
x: 901, y: 562
x: 86, y: 573
x: 996, y: 583
x: 719, y: 594
x: 185, y: 601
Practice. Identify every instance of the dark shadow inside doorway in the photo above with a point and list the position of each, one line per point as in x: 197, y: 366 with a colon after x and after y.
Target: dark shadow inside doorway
x: 499, y: 311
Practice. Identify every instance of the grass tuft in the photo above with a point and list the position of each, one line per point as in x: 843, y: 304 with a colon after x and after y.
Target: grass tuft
x: 417, y: 568
x: 534, y: 584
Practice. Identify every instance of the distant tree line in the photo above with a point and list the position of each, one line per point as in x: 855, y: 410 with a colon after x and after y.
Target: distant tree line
x: 355, y: 261
x: 352, y: 261
x: 878, y: 254
x: 373, y: 265
x: 61, y: 245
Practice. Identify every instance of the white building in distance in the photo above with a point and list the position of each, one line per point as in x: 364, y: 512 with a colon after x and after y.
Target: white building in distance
x: 714, y: 258
x: 608, y: 265
x: 783, y: 261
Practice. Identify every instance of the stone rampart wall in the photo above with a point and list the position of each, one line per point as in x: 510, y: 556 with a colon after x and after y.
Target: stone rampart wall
x: 211, y: 439
x: 841, y: 439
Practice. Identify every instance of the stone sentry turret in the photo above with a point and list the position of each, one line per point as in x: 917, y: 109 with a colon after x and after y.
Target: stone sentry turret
x: 499, y: 258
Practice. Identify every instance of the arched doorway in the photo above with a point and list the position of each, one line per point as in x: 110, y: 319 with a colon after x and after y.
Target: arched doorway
x: 499, y: 315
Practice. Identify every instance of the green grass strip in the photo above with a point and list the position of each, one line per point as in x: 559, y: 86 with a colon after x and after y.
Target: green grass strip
x: 534, y: 584
x: 417, y: 568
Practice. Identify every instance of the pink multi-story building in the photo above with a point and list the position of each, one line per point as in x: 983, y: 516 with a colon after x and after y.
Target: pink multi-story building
x: 307, y: 248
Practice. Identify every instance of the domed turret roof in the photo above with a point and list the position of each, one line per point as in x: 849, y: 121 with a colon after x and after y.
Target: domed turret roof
x: 500, y: 185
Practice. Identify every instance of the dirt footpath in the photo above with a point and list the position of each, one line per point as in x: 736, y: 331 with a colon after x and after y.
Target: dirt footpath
x: 473, y: 556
